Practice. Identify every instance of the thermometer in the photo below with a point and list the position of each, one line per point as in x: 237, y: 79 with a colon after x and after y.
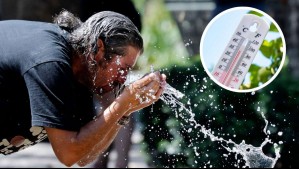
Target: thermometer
x: 241, y: 50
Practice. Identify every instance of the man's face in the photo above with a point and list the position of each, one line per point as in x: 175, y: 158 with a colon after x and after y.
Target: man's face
x: 114, y: 72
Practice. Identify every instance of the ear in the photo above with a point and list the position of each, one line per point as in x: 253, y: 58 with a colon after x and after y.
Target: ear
x: 100, y: 54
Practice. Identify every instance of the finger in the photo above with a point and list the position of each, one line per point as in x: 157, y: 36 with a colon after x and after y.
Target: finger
x: 145, y: 75
x: 159, y: 93
x: 163, y: 77
x: 152, y: 87
x: 156, y: 97
x: 144, y: 81
x: 155, y: 73
x: 163, y: 80
x: 148, y: 93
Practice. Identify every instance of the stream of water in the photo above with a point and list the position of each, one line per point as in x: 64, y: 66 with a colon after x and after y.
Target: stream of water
x: 254, y: 157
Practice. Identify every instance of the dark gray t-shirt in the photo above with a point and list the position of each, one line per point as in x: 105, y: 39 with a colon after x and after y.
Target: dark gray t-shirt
x: 37, y: 87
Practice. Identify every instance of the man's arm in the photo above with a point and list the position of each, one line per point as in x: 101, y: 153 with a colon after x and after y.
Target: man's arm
x: 71, y: 147
x: 100, y: 147
x: 101, y: 103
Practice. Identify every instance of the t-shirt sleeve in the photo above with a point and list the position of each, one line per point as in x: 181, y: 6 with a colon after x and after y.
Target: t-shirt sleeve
x: 56, y: 100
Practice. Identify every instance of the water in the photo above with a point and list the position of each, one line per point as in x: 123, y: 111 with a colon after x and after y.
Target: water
x: 253, y: 157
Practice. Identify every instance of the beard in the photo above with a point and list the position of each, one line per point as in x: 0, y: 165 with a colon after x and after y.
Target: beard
x: 115, y: 86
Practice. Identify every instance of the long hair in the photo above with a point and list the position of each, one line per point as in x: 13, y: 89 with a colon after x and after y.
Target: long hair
x: 114, y: 29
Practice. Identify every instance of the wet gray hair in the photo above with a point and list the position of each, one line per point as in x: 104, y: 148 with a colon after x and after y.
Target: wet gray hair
x: 114, y: 29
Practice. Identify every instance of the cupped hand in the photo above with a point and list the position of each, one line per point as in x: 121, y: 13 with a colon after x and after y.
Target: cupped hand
x: 143, y: 92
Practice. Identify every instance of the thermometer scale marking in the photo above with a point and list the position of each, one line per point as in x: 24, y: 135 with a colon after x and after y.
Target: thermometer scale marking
x: 238, y: 55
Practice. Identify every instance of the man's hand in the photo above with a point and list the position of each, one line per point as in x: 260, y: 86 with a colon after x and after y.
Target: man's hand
x: 143, y: 92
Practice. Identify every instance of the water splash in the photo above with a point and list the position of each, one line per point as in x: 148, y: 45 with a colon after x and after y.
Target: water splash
x: 169, y: 91
x: 254, y: 157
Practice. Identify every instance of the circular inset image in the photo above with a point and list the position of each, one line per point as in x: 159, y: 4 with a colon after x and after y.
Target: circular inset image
x: 243, y: 49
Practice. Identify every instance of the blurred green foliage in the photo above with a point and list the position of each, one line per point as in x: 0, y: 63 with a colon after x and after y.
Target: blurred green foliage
x: 170, y: 139
x: 273, y: 51
x: 162, y: 42
x: 167, y: 133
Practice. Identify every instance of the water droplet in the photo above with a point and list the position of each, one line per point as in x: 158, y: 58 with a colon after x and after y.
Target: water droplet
x: 254, y: 158
x: 280, y: 133
x: 121, y: 72
x: 187, y: 44
x: 258, y: 109
x: 118, y: 61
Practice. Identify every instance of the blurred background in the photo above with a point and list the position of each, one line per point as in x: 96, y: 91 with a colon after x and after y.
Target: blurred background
x: 172, y: 31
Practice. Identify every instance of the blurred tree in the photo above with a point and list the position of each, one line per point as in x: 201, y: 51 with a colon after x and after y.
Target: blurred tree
x: 171, y: 140
x: 162, y: 42
x: 281, y: 107
x: 191, y: 18
x: 285, y: 13
x: 179, y: 144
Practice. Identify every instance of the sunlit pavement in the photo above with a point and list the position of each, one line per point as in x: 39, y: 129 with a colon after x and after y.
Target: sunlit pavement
x: 42, y: 156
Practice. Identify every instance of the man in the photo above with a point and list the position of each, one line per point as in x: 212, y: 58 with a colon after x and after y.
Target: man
x: 49, y: 73
x: 122, y: 142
